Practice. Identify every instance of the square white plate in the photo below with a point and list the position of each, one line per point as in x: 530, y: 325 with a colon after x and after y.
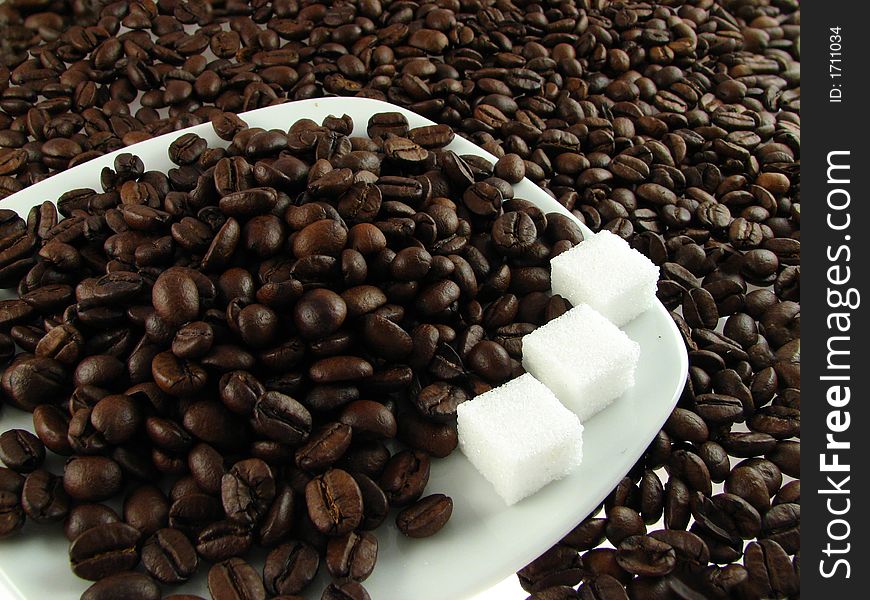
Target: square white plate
x: 485, y: 541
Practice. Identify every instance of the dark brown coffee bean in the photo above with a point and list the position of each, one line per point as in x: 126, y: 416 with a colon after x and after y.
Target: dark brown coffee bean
x: 92, y: 478
x: 28, y: 382
x: 193, y: 512
x: 405, y: 477
x: 117, y: 418
x: 86, y: 516
x: 222, y: 540
x: 169, y: 557
x: 352, y: 556
x: 281, y: 418
x: 290, y: 568
x: 426, y: 517
x: 347, y: 590
x: 102, y: 551
x: 146, y: 509
x: 334, y: 502
x: 247, y: 491
x: 646, y: 556
x: 234, y: 579
x: 369, y: 420
x: 325, y: 447
x: 21, y: 451
x: 43, y: 497
x: 175, y: 298
x: 128, y: 585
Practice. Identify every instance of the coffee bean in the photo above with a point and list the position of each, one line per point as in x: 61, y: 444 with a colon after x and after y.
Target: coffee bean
x: 222, y: 540
x: 602, y: 587
x: 86, y: 516
x: 21, y: 451
x: 369, y: 420
x: 169, y: 557
x: 348, y: 590
x: 128, y: 585
x: 646, y: 556
x: 234, y: 579
x: 247, y: 490
x: 117, y: 418
x: 425, y: 517
x: 103, y: 551
x: 290, y: 568
x: 325, y: 447
x: 146, y: 509
x: 12, y: 515
x: 405, y: 477
x: 281, y: 418
x: 175, y: 298
x: 43, y: 497
x: 352, y: 556
x: 92, y: 478
x: 334, y: 502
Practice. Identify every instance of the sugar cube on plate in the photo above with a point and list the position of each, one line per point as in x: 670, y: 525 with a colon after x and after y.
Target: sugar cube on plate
x: 519, y: 437
x: 606, y: 273
x: 585, y: 359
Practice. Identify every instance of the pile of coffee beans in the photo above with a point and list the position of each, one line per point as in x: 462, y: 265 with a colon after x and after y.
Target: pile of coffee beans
x: 253, y: 328
x: 673, y: 124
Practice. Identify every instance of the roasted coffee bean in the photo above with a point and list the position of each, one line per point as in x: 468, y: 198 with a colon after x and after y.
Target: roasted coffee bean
x: 117, y: 418
x: 425, y: 517
x: 513, y: 233
x: 771, y: 573
x: 319, y: 313
x: 281, y: 418
x: 12, y: 515
x: 646, y: 556
x: 376, y: 507
x: 102, y: 551
x: 169, y: 557
x: 278, y: 521
x: 129, y: 585
x: 347, y: 590
x: 21, y: 451
x: 193, y: 512
x: 146, y: 509
x: 175, y: 297
x: 234, y: 579
x: 177, y: 377
x: 290, y: 568
x: 334, y: 502
x: 43, y: 497
x: 438, y: 401
x: 325, y: 447
x: 28, y: 382
x: 247, y: 490
x: 369, y: 420
x: 222, y: 540
x: 92, y: 478
x: 86, y: 516
x: 352, y: 556
x: 405, y: 477
x: 623, y: 522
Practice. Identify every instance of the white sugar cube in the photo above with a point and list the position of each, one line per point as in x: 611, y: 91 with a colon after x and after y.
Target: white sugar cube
x: 585, y: 359
x: 606, y: 273
x: 519, y: 437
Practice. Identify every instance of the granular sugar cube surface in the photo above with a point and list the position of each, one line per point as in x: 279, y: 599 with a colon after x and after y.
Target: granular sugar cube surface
x: 606, y: 273
x: 520, y: 437
x: 585, y: 359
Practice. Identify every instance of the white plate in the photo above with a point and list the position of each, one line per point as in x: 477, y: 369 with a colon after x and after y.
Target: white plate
x: 485, y: 541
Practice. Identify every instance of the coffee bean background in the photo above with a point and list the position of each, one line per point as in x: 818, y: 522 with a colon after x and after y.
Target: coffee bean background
x: 674, y: 125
